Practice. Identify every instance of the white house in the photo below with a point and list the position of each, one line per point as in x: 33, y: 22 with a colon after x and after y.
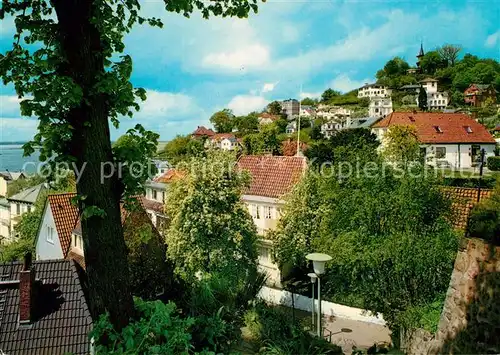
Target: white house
x: 223, y: 141
x: 291, y: 127
x: 162, y: 166
x: 380, y: 107
x: 307, y: 111
x: 374, y: 90
x: 4, y: 220
x: 271, y: 178
x: 266, y: 118
x: 451, y: 140
x: 21, y: 203
x: 436, y: 100
x: 6, y: 177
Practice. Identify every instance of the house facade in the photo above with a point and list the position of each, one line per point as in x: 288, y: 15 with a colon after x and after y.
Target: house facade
x: 6, y: 177
x: 436, y: 100
x: 380, y: 106
x: 266, y: 118
x: 290, y: 108
x: 452, y: 140
x: 477, y: 94
x: 374, y: 90
x: 223, y: 141
x: 4, y: 220
x: 22, y: 202
x: 271, y: 178
x: 202, y: 132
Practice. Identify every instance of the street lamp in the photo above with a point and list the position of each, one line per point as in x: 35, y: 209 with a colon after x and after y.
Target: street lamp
x: 313, y: 277
x: 319, y: 261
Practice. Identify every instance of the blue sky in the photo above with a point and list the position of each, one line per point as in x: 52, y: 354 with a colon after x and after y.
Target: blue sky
x: 194, y: 67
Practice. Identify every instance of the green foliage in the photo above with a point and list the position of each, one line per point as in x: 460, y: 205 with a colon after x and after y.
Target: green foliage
x: 268, y: 140
x: 247, y: 124
x: 402, y: 145
x: 158, y: 330
x: 449, y: 53
x: 211, y: 229
x: 387, y: 231
x: 309, y: 101
x: 329, y: 94
x: 182, y: 148
x: 425, y: 316
x: 274, y: 333
x: 431, y: 62
x: 394, y: 73
x: 223, y: 121
x: 494, y: 163
x: 274, y: 108
x: 484, y: 220
x: 422, y: 99
x: 138, y: 145
x: 21, y: 184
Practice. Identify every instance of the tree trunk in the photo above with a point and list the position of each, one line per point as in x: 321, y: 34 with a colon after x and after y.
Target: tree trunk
x: 104, y: 245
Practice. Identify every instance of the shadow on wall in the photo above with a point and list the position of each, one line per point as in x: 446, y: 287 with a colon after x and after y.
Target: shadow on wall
x: 481, y: 335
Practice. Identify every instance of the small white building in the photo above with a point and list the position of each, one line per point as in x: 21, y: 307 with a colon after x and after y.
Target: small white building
x: 374, y: 90
x: 4, y: 220
x: 451, y: 140
x: 162, y: 166
x: 223, y: 141
x: 271, y: 178
x: 307, y: 111
x: 380, y: 107
x: 266, y: 118
x: 291, y: 127
x: 436, y: 100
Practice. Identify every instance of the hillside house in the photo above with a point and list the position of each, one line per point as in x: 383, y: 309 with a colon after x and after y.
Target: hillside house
x: 6, y: 177
x: 380, y: 106
x: 4, y: 220
x: 202, y: 132
x: 290, y: 108
x: 223, y: 141
x: 271, y: 178
x: 374, y: 91
x: 477, y: 94
x: 452, y: 140
x: 44, y: 309
x: 22, y: 202
x: 436, y: 100
x: 266, y: 118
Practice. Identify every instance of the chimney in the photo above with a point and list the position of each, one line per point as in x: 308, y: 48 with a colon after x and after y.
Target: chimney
x: 26, y: 291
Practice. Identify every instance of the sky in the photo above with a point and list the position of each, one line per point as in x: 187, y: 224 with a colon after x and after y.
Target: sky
x: 194, y: 67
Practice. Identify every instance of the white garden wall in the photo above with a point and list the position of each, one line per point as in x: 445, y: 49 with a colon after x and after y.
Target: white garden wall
x: 284, y: 298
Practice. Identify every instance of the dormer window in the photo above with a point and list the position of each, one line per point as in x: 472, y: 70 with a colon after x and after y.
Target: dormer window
x: 468, y: 129
x: 438, y: 129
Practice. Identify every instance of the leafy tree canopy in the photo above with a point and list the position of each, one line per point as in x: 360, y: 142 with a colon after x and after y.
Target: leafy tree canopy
x: 182, y: 148
x: 274, y: 108
x: 223, y: 121
x: 309, y: 101
x: 402, y: 145
x: 329, y: 94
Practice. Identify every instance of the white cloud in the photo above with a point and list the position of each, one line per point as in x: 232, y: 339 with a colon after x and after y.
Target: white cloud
x: 255, y: 55
x: 290, y: 33
x: 345, y: 84
x: 492, y: 39
x: 244, y: 104
x: 9, y: 106
x: 166, y: 105
x: 268, y: 87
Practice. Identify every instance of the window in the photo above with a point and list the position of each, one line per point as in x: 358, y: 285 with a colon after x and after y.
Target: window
x: 154, y: 194
x: 468, y: 129
x: 440, y: 152
x: 18, y: 208
x: 163, y: 196
x: 438, y: 129
x: 29, y: 208
x: 50, y: 234
x: 255, y: 211
x: 267, y: 212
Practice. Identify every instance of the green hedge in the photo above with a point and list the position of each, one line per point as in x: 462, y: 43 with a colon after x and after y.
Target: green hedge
x: 494, y: 163
x: 487, y: 182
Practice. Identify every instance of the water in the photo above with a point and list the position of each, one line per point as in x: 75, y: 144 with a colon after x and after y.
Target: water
x: 11, y: 158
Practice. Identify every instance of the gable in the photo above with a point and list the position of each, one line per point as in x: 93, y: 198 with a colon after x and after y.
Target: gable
x: 45, y: 249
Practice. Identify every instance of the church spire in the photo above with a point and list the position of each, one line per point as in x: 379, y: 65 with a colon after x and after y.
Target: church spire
x: 421, y: 53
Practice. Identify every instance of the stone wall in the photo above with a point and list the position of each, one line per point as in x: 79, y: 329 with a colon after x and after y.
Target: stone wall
x: 470, y: 321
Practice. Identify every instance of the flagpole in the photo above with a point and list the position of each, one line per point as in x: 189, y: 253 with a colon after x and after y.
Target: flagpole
x: 298, y: 125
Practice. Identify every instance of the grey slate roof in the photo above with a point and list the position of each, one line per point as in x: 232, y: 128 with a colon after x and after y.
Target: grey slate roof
x: 11, y: 175
x: 4, y: 202
x: 28, y: 195
x: 62, y: 320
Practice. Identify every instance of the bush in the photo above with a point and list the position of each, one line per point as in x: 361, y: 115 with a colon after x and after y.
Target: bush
x: 494, y: 163
x: 472, y: 182
x: 484, y: 221
x: 274, y: 332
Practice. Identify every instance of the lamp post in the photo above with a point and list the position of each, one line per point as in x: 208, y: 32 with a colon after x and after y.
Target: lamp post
x: 319, y: 260
x: 313, y: 277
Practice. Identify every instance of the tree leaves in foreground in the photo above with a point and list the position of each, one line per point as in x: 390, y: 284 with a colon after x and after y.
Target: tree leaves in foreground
x: 68, y: 67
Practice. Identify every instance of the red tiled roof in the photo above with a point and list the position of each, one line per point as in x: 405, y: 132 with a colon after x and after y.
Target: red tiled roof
x: 220, y: 136
x: 272, y: 176
x: 152, y: 205
x: 452, y: 125
x: 65, y: 216
x: 203, y: 131
x: 169, y: 176
x: 462, y: 201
